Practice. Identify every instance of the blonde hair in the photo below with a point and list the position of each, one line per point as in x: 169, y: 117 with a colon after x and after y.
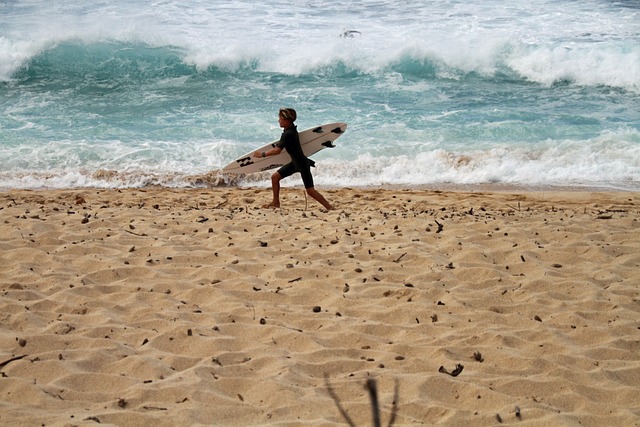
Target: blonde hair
x: 288, y: 114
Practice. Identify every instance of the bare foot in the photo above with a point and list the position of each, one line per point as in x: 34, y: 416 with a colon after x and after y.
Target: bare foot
x: 270, y: 206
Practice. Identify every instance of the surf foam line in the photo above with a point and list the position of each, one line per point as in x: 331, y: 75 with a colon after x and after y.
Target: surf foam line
x: 611, y: 160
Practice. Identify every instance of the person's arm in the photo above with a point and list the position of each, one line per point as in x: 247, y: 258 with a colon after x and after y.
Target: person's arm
x: 272, y: 152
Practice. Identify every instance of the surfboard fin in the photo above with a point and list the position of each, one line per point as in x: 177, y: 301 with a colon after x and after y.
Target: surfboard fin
x: 328, y: 144
x: 318, y: 130
x: 337, y: 130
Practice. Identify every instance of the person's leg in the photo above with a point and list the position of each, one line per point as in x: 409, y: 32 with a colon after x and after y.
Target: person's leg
x: 279, y: 175
x: 307, y: 178
x: 275, y: 187
x: 311, y: 191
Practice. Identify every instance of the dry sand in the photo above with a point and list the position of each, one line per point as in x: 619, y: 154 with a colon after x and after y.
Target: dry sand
x: 195, y: 307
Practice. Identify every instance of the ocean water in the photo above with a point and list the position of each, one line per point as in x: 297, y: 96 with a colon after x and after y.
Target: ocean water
x: 114, y: 93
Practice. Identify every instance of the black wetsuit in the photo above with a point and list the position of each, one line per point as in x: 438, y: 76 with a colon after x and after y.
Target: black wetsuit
x: 299, y: 162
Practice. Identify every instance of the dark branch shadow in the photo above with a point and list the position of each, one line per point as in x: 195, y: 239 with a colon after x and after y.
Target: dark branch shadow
x: 372, y: 388
x: 336, y: 400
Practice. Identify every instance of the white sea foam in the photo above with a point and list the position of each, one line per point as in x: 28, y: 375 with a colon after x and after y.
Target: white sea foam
x: 611, y: 159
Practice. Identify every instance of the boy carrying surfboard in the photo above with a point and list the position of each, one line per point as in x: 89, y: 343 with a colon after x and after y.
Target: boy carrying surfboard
x: 290, y: 142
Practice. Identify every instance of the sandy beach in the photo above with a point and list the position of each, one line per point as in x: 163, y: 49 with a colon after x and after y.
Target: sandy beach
x: 196, y: 307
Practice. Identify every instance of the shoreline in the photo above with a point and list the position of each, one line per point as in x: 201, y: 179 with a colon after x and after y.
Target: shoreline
x: 170, y: 306
x: 458, y: 188
x: 217, y: 180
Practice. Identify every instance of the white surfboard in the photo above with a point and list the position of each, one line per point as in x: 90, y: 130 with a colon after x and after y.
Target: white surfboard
x: 312, y: 140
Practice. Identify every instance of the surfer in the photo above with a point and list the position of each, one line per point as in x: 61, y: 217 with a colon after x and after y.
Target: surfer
x: 299, y: 162
x: 349, y: 34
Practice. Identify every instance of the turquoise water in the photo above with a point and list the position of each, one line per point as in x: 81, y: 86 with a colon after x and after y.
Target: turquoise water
x: 114, y: 94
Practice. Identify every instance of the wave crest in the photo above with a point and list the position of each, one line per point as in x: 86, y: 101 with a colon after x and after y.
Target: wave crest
x: 76, y: 62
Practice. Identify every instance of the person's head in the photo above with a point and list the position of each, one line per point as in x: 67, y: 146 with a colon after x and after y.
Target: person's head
x: 286, y: 117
